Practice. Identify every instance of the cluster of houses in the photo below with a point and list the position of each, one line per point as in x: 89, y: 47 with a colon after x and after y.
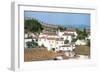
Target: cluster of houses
x: 56, y: 40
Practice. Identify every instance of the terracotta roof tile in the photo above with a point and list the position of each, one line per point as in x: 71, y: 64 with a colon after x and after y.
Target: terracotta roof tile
x: 59, y: 39
x: 51, y: 38
x: 50, y: 33
x: 68, y: 34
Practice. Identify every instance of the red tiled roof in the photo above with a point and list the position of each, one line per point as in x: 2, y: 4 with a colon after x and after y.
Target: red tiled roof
x: 34, y: 37
x: 51, y: 38
x: 68, y: 34
x: 42, y: 37
x: 50, y: 33
x: 59, y: 39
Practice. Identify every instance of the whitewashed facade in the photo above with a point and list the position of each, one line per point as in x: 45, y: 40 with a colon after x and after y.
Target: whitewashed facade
x: 67, y: 36
x: 71, y: 31
x: 66, y: 47
x: 55, y: 40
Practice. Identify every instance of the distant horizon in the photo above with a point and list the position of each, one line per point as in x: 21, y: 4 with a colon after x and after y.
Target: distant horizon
x: 60, y: 18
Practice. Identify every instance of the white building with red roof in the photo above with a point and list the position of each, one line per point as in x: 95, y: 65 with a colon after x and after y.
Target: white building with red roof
x: 66, y: 47
x: 48, y: 34
x: 59, y: 42
x: 73, y: 31
x: 67, y: 36
x: 55, y: 39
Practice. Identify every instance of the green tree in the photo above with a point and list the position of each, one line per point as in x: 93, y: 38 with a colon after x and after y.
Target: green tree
x: 73, y: 35
x: 66, y: 41
x: 33, y: 25
x: 53, y: 49
x: 85, y: 33
x: 34, y: 44
x: 31, y: 44
x: 81, y: 34
x: 74, y: 40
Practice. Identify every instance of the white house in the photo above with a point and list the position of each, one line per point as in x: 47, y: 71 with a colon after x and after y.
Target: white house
x: 59, y: 42
x: 66, y: 47
x: 54, y: 40
x: 51, y: 42
x: 48, y: 34
x: 73, y: 31
x: 67, y: 36
x: 60, y: 33
x: 48, y: 39
x: 48, y: 42
x: 41, y: 41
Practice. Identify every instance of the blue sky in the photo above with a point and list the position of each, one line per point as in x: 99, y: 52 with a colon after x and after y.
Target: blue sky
x: 60, y: 18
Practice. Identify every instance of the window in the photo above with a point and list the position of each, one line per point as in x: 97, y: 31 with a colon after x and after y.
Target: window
x: 62, y: 42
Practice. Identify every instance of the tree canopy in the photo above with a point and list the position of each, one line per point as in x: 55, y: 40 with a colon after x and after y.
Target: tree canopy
x: 81, y: 34
x: 31, y: 44
x: 66, y: 41
x: 61, y: 28
x: 32, y: 25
